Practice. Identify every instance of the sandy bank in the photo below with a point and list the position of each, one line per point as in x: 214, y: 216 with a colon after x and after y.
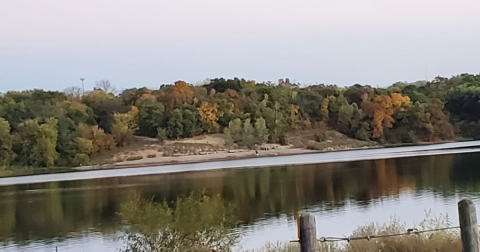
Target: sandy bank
x: 298, y: 159
x: 159, y: 160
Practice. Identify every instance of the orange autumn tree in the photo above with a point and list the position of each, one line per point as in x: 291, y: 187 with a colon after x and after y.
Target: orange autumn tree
x: 210, y: 114
x: 181, y: 93
x: 382, y: 108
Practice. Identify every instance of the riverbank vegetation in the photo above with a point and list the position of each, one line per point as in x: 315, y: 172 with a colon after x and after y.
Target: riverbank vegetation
x: 49, y: 128
x: 441, y: 241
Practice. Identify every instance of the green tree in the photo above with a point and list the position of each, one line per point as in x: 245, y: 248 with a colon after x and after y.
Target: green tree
x: 37, y: 145
x: 261, y: 131
x: 175, y: 124
x: 248, y: 134
x: 125, y: 126
x: 66, y: 145
x: 191, y: 123
x: 150, y: 117
x: 234, y: 132
x: 104, y: 106
x: 310, y: 105
x: 6, y: 142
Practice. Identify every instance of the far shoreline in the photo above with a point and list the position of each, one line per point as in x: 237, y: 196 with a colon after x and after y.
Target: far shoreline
x: 312, y: 157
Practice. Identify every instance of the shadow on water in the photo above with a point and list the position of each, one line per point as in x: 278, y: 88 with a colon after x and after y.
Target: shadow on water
x: 51, y: 211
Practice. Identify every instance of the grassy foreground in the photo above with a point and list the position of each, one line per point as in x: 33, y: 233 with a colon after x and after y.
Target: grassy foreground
x: 441, y: 241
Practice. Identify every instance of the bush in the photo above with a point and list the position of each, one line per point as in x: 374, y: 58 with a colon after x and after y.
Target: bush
x: 81, y: 159
x: 320, y: 136
x: 283, y: 139
x: 152, y: 155
x: 161, y: 135
x: 133, y: 158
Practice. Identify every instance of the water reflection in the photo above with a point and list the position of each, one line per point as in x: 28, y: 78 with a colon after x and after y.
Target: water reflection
x: 55, y: 211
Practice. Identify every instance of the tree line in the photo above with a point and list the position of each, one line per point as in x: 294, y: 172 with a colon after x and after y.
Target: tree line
x: 50, y: 128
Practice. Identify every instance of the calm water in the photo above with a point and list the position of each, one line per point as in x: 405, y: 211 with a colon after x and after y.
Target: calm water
x: 82, y: 215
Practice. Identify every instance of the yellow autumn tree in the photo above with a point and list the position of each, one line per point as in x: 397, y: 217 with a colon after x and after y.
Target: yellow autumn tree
x: 181, y: 93
x: 210, y: 114
x: 383, y: 108
x: 125, y: 126
x: 294, y: 116
x: 94, y: 139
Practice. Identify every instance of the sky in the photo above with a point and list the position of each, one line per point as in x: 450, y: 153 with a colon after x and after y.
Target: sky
x: 51, y: 44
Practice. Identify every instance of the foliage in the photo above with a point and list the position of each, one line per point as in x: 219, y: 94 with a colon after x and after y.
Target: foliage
x: 247, y: 112
x: 36, y: 143
x: 248, y: 134
x: 321, y: 134
x: 6, y: 142
x: 161, y: 135
x: 150, y: 116
x: 381, y: 110
x: 221, y: 84
x: 195, y: 222
x: 125, y: 125
x: 261, y: 131
x: 81, y: 159
x: 210, y: 114
x: 245, y: 134
x: 181, y: 93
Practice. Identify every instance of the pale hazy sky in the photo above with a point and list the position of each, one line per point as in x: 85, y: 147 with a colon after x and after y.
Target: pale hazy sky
x: 50, y: 44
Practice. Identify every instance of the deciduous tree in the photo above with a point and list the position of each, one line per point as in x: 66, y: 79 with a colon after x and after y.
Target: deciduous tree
x: 125, y: 126
x: 210, y: 114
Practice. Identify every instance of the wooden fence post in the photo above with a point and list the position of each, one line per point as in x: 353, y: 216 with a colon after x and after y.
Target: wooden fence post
x: 467, y: 214
x: 308, y: 233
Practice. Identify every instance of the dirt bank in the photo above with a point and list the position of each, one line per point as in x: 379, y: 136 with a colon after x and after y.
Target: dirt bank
x: 149, y: 152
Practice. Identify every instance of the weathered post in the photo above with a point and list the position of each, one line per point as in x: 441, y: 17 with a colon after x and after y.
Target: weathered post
x: 467, y: 214
x: 308, y: 233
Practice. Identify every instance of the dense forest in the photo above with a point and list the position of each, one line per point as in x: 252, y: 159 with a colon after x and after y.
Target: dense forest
x: 50, y: 128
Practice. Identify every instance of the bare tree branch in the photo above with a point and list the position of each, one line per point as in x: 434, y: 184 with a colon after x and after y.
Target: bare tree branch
x: 106, y: 86
x: 73, y: 91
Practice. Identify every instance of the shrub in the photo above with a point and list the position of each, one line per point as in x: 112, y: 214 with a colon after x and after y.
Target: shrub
x: 133, y: 158
x: 152, y: 155
x: 81, y: 159
x: 320, y: 136
x: 283, y: 139
x: 161, y: 135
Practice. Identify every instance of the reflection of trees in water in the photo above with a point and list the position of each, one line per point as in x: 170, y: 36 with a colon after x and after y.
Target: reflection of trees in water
x: 194, y: 223
x: 465, y: 172
x: 46, y: 211
x: 51, y: 212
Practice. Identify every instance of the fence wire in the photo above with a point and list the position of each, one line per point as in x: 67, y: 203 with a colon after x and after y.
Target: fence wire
x: 410, y: 231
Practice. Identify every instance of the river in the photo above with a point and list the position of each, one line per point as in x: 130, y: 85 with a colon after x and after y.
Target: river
x: 80, y: 214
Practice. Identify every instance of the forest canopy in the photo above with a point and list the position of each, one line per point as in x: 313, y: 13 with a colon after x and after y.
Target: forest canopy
x: 50, y: 128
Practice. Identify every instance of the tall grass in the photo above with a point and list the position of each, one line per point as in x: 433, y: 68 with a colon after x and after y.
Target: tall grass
x: 440, y: 241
